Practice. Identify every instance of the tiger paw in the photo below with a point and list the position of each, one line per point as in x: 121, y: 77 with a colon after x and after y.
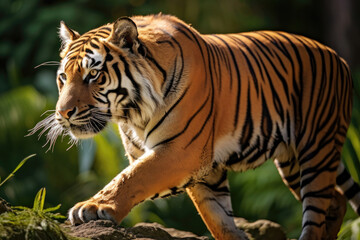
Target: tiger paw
x: 90, y: 210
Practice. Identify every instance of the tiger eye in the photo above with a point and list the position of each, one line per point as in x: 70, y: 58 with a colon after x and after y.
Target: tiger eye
x: 62, y: 77
x: 93, y: 72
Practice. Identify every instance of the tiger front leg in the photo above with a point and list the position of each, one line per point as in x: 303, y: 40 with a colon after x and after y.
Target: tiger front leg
x: 211, y: 197
x: 153, y: 173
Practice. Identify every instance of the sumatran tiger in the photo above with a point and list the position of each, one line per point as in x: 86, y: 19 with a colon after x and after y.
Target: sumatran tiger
x: 191, y: 107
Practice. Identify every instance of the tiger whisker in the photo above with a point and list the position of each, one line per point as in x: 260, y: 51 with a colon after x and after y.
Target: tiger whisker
x: 47, y: 111
x: 48, y: 63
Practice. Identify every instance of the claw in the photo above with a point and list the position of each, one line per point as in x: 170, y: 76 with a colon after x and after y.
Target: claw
x: 87, y: 211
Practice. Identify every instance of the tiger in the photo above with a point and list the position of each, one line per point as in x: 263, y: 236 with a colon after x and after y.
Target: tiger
x: 190, y: 107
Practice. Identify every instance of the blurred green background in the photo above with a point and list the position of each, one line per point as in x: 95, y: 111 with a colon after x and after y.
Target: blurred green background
x: 28, y: 37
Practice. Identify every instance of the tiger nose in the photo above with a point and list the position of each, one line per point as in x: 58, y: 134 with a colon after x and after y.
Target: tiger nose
x: 67, y: 113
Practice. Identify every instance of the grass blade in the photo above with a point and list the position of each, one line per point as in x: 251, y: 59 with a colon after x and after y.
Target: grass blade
x: 52, y: 209
x: 39, y: 200
x: 17, y: 168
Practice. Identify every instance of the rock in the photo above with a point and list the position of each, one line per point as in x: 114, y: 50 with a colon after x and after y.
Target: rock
x: 174, y: 233
x: 4, y: 206
x: 261, y: 229
x: 25, y: 222
x: 106, y: 230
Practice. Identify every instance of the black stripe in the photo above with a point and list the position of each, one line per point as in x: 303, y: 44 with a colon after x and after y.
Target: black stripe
x: 106, y: 28
x: 294, y: 186
x: 342, y: 177
x: 215, y: 186
x: 248, y: 126
x: 163, y: 72
x: 279, y: 75
x: 211, y: 104
x: 284, y: 164
x: 352, y: 191
x: 173, y: 84
x: 266, y: 121
x: 252, y: 71
x: 331, y: 218
x: 316, y: 174
x: 99, y: 99
x: 213, y: 199
x: 89, y: 51
x: 298, y: 90
x: 319, y: 194
x: 222, y: 189
x: 236, y: 118
x: 313, y: 66
x: 103, y: 80
x: 117, y: 72
x: 193, y: 35
x: 311, y: 155
x: 100, y: 32
x: 166, y: 114
x: 130, y: 76
x: 170, y: 84
x: 155, y: 196
x: 135, y: 144
x: 314, y: 209
x: 316, y: 168
x: 293, y: 177
x: 311, y: 223
x: 281, y: 48
x: 94, y: 45
x: 186, y: 126
x: 96, y: 64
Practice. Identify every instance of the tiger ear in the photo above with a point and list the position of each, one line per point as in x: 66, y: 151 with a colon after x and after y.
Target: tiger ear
x: 66, y: 34
x: 124, y: 33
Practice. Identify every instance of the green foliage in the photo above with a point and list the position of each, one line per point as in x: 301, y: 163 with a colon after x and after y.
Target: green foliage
x: 39, y: 200
x: 350, y: 230
x: 38, y: 207
x: 31, y: 224
x: 35, y: 223
x: 15, y: 170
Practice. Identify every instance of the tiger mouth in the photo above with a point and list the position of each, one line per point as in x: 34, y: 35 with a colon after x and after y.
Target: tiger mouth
x: 87, y: 130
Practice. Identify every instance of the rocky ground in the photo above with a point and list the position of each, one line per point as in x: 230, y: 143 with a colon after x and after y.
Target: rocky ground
x: 106, y: 230
x: 28, y: 224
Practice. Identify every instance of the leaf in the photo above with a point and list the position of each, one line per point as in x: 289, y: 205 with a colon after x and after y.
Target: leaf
x: 39, y: 200
x: 56, y: 216
x: 354, y: 137
x: 17, y: 168
x: 52, y: 209
x: 20, y: 207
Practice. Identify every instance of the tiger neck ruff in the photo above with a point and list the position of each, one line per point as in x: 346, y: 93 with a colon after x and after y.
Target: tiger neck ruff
x: 190, y: 107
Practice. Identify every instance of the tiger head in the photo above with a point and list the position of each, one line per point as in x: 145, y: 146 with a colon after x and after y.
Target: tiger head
x: 104, y: 75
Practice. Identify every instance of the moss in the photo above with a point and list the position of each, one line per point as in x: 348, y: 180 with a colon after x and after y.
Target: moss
x: 25, y: 223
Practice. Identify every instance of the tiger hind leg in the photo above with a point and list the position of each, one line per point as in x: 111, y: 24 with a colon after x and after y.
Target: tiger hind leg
x: 290, y: 173
x: 318, y: 168
x: 211, y: 198
x: 335, y: 215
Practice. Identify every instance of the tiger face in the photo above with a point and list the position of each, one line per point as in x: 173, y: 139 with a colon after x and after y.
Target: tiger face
x: 97, y: 81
